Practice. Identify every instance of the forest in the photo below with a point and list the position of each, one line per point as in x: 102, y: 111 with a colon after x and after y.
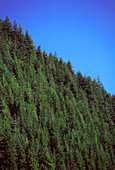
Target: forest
x: 51, y: 118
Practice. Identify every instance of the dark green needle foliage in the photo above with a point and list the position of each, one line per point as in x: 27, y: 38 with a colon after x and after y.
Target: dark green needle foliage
x: 50, y: 117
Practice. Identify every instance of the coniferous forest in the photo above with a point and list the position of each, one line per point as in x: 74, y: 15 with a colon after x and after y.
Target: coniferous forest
x: 50, y: 117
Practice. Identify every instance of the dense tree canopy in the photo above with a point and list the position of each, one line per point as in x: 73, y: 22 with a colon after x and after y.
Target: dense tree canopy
x: 50, y: 117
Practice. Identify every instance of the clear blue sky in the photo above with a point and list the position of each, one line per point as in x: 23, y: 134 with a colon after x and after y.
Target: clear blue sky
x: 82, y: 31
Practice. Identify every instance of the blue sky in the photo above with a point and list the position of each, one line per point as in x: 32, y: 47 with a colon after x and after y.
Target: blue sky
x: 82, y: 31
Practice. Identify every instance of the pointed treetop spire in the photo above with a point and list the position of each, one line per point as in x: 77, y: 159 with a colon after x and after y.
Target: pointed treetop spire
x: 21, y: 29
x: 15, y: 27
x: 8, y: 23
x: 69, y: 65
x: 39, y: 52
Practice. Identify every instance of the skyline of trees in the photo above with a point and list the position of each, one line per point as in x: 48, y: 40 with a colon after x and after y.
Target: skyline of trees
x: 50, y: 117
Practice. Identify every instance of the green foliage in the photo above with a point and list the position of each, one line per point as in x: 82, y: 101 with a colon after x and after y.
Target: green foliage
x: 50, y: 118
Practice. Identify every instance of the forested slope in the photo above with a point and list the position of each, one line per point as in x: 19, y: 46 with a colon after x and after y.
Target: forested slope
x: 50, y: 117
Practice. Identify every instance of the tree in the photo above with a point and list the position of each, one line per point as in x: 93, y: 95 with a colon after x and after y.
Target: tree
x: 29, y: 40
x: 55, y: 54
x: 99, y: 82
x: 15, y: 27
x: 69, y: 65
x: 7, y: 26
x: 21, y: 29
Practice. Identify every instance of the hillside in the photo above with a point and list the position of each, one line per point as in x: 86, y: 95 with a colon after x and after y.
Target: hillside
x: 50, y: 117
